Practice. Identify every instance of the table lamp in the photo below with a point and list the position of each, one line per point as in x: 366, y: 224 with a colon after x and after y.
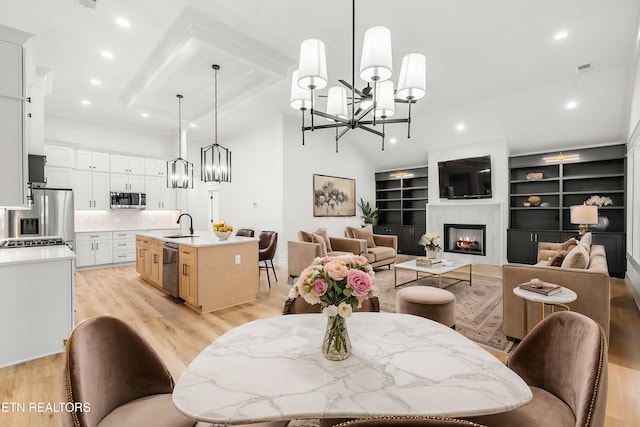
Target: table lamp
x: 584, y: 215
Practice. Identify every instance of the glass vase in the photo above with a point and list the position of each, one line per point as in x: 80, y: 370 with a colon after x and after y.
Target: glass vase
x: 336, y: 344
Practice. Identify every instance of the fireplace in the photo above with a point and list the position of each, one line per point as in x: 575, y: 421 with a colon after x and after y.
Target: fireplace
x: 467, y: 239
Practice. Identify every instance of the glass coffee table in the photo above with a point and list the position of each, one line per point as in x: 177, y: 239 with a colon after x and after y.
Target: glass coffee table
x: 439, y: 271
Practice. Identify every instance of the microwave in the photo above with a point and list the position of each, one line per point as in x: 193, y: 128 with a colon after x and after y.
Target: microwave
x: 128, y: 200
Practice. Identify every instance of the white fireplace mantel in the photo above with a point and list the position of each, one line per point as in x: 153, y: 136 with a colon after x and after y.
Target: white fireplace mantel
x: 489, y: 213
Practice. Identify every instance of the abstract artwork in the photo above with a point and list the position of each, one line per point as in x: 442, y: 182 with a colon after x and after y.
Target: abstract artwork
x: 333, y: 196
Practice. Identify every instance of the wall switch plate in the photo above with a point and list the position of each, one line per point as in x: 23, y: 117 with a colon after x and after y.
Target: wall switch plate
x: 237, y: 259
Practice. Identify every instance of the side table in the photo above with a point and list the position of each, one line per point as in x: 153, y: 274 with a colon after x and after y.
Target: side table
x: 560, y: 299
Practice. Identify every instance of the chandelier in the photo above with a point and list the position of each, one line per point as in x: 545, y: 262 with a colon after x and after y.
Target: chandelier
x: 180, y: 171
x: 378, y: 98
x: 215, y: 159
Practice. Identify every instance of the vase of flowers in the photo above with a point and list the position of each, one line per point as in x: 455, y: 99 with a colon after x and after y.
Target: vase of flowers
x: 339, y: 284
x: 432, y: 245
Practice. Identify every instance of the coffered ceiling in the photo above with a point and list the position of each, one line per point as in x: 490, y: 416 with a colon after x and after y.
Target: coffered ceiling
x: 492, y: 65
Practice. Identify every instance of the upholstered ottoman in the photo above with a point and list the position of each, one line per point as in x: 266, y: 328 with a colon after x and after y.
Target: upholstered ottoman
x: 425, y: 301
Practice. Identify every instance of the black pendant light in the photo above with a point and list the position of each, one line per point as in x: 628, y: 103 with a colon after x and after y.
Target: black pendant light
x: 215, y: 159
x: 179, y: 171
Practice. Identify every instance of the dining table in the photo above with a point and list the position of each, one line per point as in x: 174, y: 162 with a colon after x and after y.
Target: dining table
x: 273, y: 369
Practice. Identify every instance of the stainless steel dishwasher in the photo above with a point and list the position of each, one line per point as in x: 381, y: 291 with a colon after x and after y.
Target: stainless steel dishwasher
x: 170, y: 269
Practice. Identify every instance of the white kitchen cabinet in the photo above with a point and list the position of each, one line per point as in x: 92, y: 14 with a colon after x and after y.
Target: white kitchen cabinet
x: 13, y: 117
x: 58, y: 177
x: 92, y: 160
x: 94, y: 248
x: 158, y: 195
x: 121, y: 182
x: 124, y: 245
x: 127, y: 164
x: 156, y: 167
x: 91, y: 190
x: 59, y: 156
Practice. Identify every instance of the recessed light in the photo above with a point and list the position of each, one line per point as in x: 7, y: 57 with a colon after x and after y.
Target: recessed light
x: 193, y: 125
x: 85, y: 102
x: 95, y: 82
x: 145, y: 115
x: 106, y: 54
x: 460, y: 127
x: 122, y: 22
x: 571, y: 105
x: 561, y: 35
x: 393, y: 140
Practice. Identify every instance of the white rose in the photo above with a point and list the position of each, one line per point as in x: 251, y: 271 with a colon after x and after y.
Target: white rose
x: 344, y: 310
x: 330, y: 310
x: 312, y: 298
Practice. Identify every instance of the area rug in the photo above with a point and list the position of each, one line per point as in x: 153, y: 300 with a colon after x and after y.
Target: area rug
x: 478, y: 307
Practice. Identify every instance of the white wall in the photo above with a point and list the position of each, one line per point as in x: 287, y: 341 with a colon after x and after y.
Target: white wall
x: 318, y: 156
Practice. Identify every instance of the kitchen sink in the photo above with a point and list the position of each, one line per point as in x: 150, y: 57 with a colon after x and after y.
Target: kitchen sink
x: 177, y: 236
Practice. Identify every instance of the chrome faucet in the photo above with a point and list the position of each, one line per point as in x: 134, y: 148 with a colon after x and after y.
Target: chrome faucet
x: 190, y: 222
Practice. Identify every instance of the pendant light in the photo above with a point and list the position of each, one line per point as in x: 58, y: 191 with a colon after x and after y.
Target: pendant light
x: 215, y: 159
x: 180, y: 171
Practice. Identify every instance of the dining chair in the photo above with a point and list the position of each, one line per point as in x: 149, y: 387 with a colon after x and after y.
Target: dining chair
x: 245, y: 232
x: 115, y: 371
x: 408, y: 421
x: 299, y: 306
x: 267, y: 250
x: 563, y: 359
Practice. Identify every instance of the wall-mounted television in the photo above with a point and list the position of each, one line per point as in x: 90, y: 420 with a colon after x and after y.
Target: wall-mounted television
x: 468, y: 178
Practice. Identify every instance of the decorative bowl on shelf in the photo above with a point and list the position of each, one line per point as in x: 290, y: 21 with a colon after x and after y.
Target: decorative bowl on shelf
x: 223, y: 235
x: 534, y: 176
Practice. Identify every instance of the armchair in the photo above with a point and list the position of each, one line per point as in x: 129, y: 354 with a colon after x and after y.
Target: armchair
x: 380, y: 249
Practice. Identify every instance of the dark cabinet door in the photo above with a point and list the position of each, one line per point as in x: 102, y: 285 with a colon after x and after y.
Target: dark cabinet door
x: 615, y: 248
x: 408, y: 240
x: 522, y: 245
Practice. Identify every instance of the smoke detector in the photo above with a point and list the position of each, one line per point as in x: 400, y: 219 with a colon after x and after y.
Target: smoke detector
x: 88, y: 3
x: 585, y: 67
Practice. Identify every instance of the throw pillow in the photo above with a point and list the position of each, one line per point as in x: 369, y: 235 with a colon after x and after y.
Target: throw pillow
x: 323, y: 233
x: 556, y: 260
x: 567, y: 245
x: 348, y: 231
x: 577, y: 258
x: 306, y: 236
x: 365, y: 233
x: 586, y: 240
x: 316, y: 238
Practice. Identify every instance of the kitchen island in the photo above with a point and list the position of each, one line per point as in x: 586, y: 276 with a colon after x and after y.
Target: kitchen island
x: 37, y: 304
x: 211, y: 274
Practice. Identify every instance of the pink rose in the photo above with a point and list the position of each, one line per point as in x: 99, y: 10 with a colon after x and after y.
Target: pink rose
x: 336, y: 270
x: 360, y: 259
x: 319, y: 287
x: 360, y: 282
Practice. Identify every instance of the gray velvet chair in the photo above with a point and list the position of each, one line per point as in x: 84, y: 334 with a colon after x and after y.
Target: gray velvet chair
x: 563, y: 359
x: 409, y: 422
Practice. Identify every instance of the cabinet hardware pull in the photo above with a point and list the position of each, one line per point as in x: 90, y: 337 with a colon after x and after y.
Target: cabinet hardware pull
x: 91, y: 246
x: 122, y: 256
x: 122, y: 244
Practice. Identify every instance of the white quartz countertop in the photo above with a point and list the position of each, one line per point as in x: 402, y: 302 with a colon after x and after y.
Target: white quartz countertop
x: 10, y: 256
x: 199, y: 239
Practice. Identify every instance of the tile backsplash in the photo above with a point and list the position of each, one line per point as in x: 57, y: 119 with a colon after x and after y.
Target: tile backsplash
x: 125, y: 219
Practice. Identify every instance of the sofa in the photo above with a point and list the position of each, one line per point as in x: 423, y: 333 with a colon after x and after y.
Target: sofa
x: 379, y: 249
x: 590, y: 283
x: 317, y: 244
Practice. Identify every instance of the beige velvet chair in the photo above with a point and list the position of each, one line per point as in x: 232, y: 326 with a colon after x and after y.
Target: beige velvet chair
x: 408, y: 421
x: 379, y: 249
x: 564, y: 361
x: 113, y: 370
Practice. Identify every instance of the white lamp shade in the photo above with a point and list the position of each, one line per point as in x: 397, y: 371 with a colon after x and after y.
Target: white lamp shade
x: 300, y: 99
x: 312, y: 69
x: 584, y: 214
x: 412, y: 83
x: 337, y: 101
x: 385, y: 102
x: 376, y: 61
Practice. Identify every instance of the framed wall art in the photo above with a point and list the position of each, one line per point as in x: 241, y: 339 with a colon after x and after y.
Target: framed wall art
x: 334, y: 196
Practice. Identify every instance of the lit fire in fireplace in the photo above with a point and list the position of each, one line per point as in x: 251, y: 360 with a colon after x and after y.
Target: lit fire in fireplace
x: 466, y: 242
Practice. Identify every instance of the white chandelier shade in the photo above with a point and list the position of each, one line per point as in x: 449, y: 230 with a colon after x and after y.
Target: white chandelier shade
x: 312, y: 70
x: 300, y: 98
x: 337, y: 102
x: 376, y: 61
x: 385, y: 102
x: 412, y: 83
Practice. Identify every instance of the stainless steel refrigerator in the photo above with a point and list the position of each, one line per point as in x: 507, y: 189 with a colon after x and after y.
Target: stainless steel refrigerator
x: 51, y: 215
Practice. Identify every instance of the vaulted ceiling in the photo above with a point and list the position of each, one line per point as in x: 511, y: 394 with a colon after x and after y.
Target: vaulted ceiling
x: 492, y: 65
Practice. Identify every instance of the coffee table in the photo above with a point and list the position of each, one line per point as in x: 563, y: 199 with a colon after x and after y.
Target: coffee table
x: 561, y: 299
x: 438, y: 271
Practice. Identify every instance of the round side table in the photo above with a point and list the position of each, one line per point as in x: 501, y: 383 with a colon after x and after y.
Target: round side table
x: 560, y: 299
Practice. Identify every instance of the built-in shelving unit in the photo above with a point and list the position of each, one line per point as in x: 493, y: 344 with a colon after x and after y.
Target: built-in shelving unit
x: 567, y: 181
x: 401, y: 197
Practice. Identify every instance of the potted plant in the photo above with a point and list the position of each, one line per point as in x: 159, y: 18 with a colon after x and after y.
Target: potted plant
x: 369, y: 214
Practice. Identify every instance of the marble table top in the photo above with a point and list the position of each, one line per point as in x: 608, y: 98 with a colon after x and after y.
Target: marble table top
x: 565, y: 296
x: 273, y: 369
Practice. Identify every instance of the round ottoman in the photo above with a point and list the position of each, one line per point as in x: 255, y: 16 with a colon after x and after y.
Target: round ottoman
x: 433, y: 303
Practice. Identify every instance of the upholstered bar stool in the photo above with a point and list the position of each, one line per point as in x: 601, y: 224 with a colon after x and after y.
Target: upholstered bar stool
x: 432, y: 303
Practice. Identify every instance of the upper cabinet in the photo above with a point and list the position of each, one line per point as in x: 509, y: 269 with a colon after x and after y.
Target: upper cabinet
x: 127, y: 164
x: 92, y: 160
x: 155, y: 167
x: 13, y: 116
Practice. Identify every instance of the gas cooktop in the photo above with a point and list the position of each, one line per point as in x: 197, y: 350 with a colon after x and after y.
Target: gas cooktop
x: 32, y: 242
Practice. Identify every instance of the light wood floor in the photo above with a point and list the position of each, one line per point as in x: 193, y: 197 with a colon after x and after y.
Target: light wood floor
x: 179, y: 335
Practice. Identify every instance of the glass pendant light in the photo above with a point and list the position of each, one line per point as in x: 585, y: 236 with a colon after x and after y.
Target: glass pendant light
x: 215, y: 159
x: 180, y: 171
